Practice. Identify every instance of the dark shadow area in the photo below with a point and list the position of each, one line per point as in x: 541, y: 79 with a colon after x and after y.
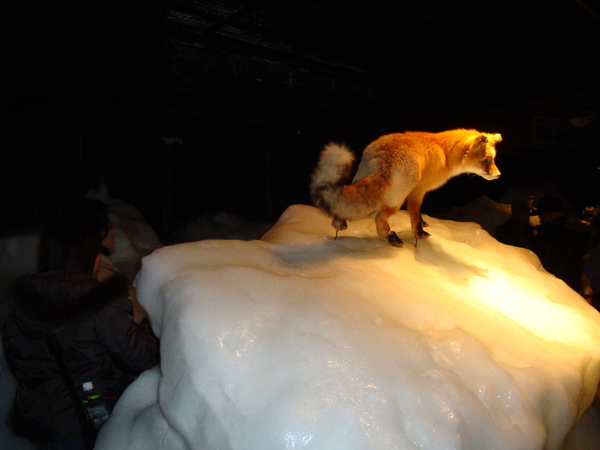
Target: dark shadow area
x: 247, y: 96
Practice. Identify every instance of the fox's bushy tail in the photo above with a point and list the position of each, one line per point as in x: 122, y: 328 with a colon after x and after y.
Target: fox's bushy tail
x: 332, y: 192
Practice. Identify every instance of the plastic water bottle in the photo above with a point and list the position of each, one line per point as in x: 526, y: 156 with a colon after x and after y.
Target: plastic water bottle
x: 98, y: 409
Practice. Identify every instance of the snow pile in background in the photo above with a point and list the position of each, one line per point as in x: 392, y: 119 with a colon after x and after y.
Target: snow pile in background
x: 301, y: 340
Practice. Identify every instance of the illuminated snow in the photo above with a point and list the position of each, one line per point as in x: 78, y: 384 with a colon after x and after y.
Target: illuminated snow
x: 300, y: 340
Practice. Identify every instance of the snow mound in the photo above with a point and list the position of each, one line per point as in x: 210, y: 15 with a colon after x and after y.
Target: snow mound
x: 300, y: 340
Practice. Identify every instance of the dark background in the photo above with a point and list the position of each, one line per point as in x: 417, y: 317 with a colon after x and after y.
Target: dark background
x: 251, y: 91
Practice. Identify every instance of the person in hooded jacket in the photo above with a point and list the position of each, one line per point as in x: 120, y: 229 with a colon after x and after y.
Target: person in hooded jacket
x: 90, y: 322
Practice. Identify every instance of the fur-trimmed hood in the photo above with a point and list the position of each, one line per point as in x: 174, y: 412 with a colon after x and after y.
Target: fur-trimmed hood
x: 50, y: 300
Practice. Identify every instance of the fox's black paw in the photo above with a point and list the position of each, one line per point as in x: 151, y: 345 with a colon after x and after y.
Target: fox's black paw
x: 421, y: 235
x: 394, y: 240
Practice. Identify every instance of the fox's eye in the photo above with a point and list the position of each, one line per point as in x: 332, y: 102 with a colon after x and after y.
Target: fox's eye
x: 487, y: 161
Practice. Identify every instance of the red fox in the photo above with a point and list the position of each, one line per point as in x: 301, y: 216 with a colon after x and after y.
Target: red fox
x: 394, y: 168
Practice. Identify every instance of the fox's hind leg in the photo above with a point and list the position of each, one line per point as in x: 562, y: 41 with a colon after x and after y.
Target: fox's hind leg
x: 414, y: 202
x: 383, y: 227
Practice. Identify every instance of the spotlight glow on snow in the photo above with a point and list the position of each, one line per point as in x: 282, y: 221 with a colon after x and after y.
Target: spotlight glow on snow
x: 300, y: 340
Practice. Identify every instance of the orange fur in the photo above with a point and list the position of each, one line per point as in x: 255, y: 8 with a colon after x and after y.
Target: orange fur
x: 396, y: 168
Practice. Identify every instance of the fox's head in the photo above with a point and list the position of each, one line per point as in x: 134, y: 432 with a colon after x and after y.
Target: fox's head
x: 480, y: 157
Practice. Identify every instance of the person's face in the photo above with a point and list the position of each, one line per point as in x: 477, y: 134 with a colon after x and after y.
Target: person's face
x: 109, y: 241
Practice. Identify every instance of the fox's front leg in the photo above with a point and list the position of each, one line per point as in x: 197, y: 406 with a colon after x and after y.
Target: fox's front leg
x: 415, y: 200
x: 383, y: 227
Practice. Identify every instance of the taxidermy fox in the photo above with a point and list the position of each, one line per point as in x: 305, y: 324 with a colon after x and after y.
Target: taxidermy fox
x: 394, y: 168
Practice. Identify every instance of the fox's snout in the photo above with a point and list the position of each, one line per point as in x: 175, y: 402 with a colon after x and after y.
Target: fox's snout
x: 492, y: 173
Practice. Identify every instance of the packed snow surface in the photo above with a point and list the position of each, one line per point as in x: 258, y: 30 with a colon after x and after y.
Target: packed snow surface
x: 302, y: 340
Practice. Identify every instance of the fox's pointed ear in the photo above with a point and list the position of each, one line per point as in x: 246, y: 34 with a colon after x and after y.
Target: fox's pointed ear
x: 479, y: 144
